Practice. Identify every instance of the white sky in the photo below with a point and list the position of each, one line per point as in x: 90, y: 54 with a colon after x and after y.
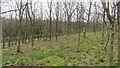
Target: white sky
x: 10, y: 4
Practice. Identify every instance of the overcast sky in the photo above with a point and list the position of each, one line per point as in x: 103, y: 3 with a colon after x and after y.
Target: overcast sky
x: 10, y: 4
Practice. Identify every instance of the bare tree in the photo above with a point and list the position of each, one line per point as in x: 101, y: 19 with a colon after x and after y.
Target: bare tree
x: 1, y: 37
x: 112, y: 24
x: 41, y: 20
x: 31, y: 18
x: 103, y: 27
x: 118, y: 19
x: 88, y: 20
x: 20, y: 21
x: 9, y: 34
x: 57, y: 19
x: 50, y: 19
x: 69, y: 10
x: 20, y: 8
x: 79, y: 10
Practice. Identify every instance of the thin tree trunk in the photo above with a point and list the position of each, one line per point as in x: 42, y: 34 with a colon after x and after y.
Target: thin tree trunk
x: 19, y: 26
x: 86, y: 24
x: 84, y: 30
x: 31, y: 22
x: 50, y: 10
x: 3, y: 46
x: 57, y: 30
x: 9, y: 41
x: 112, y: 23
x: 118, y: 19
x: 111, y: 45
x: 19, y: 34
x: 103, y: 28
x: 57, y: 16
x: 78, y: 21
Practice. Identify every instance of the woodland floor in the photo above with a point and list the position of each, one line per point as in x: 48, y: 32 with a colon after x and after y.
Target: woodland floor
x: 63, y: 52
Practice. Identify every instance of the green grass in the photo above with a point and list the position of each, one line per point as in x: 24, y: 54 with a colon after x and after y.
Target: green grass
x: 60, y: 53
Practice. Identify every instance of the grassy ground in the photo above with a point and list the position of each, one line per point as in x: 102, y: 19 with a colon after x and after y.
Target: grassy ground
x: 60, y: 53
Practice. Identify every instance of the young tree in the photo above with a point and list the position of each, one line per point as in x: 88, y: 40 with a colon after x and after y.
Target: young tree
x: 50, y: 19
x: 112, y: 24
x: 20, y: 8
x: 118, y: 19
x: 79, y: 10
x: 103, y: 27
x: 1, y: 37
x: 31, y: 16
x: 19, y: 26
x: 57, y: 19
x: 10, y: 32
x: 41, y: 21
x: 69, y: 10
x: 88, y: 20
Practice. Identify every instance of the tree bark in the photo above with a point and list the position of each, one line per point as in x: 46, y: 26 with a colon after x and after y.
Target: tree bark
x: 19, y: 26
x: 88, y: 20
x: 112, y: 24
x: 50, y: 10
x: 103, y: 28
x: 118, y: 19
x: 57, y: 19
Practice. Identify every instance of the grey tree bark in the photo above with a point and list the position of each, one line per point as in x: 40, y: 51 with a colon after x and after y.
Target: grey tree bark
x: 85, y: 25
x: 112, y: 32
x: 118, y: 19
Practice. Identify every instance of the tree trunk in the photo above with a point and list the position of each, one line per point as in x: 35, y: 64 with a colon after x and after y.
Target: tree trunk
x: 118, y: 19
x: 9, y: 42
x: 84, y: 30
x: 68, y: 27
x: 86, y: 24
x: 32, y: 36
x: 19, y: 27
x: 112, y: 23
x: 19, y: 38
x: 50, y: 10
x: 57, y: 30
x: 103, y: 28
x: 3, y: 46
x: 78, y: 22
x: 57, y: 16
x: 111, y: 45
